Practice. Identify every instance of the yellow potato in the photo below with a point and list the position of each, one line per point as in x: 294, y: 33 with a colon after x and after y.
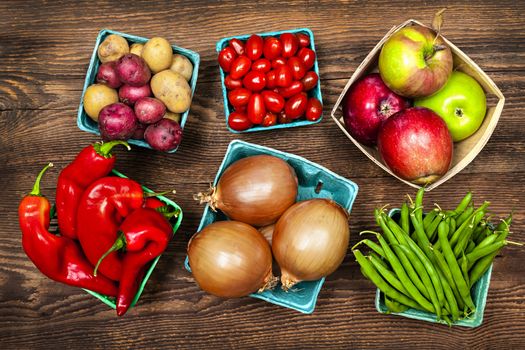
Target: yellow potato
x: 158, y: 54
x: 182, y: 65
x: 98, y: 96
x: 136, y: 49
x: 112, y: 48
x: 172, y: 89
x: 173, y: 116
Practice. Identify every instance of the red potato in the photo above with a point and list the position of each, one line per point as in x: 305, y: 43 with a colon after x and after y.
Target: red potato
x: 165, y: 135
x: 130, y: 94
x: 149, y: 110
x: 139, y: 132
x: 107, y: 74
x: 133, y: 70
x: 117, y: 122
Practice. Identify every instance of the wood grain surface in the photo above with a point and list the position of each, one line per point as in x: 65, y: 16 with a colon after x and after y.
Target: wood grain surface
x: 45, y: 48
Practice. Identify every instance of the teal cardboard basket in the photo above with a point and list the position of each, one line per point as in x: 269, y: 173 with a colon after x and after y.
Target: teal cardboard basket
x: 110, y: 301
x: 85, y: 123
x: 315, y: 92
x: 479, y: 295
x: 315, y: 181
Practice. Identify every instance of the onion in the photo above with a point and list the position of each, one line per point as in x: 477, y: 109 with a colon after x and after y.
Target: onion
x: 267, y: 232
x: 255, y: 190
x: 310, y: 240
x: 231, y: 259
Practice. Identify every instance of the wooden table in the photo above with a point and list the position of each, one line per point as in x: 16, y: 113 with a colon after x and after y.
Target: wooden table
x: 44, y: 53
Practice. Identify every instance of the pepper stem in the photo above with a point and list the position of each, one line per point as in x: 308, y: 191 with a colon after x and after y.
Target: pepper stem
x: 165, y: 210
x: 120, y: 243
x: 36, y: 186
x: 104, y: 148
x: 155, y: 194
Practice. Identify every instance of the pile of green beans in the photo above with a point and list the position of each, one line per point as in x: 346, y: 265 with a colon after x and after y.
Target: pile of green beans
x: 430, y: 262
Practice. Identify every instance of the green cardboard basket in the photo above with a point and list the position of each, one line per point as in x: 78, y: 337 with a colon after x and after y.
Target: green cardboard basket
x: 110, y: 301
x: 479, y: 293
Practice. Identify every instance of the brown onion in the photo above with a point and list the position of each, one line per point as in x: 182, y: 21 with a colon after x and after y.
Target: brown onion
x: 255, y: 190
x: 310, y: 240
x: 231, y: 259
x: 267, y: 232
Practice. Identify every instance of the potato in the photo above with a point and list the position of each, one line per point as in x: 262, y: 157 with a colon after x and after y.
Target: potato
x: 112, y: 48
x: 158, y: 54
x: 136, y: 49
x: 98, y: 96
x: 172, y: 89
x: 173, y: 116
x: 182, y: 65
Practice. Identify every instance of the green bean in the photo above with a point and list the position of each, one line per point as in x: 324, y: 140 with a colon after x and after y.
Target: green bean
x: 397, y: 231
x: 449, y: 294
x: 388, y: 275
x: 431, y: 231
x: 479, y: 253
x: 463, y: 203
x: 429, y: 217
x: 380, y: 283
x: 470, y: 247
x: 477, y: 235
x: 431, y: 270
x: 465, y: 215
x: 422, y: 239
x: 386, y: 231
x: 463, y: 264
x: 451, y: 222
x: 462, y: 241
x: 405, y: 223
x: 394, y: 306
x: 487, y: 241
x: 445, y: 271
x: 452, y: 227
x: 402, y: 275
x: 372, y: 245
x: 422, y: 272
x: 463, y: 289
x: 418, y: 204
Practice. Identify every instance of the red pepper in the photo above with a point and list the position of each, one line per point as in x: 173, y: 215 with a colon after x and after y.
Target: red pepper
x: 59, y: 258
x: 144, y: 235
x: 92, y: 163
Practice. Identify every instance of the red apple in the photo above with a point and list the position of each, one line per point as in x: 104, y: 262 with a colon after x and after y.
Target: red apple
x: 367, y: 104
x: 416, y: 145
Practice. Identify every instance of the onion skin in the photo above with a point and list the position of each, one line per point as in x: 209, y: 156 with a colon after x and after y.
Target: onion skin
x: 231, y: 259
x: 310, y: 240
x: 255, y: 190
x: 267, y: 232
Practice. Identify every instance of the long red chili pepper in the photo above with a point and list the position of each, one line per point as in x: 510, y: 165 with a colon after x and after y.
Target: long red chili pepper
x: 144, y: 235
x: 102, y: 208
x: 92, y: 163
x: 59, y: 258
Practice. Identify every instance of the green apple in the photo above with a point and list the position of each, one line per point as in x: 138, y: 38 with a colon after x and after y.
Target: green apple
x: 414, y: 62
x: 461, y: 103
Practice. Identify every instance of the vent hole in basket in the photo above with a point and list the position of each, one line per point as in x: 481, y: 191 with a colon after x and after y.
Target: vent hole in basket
x: 318, y: 187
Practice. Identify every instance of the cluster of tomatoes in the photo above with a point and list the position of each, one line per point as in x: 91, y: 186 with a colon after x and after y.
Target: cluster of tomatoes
x: 268, y: 80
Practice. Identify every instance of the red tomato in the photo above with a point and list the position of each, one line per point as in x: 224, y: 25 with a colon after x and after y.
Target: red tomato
x: 310, y: 80
x: 314, y: 109
x: 304, y: 40
x: 254, y: 47
x: 226, y: 58
x: 307, y: 56
x: 296, y: 106
x: 239, y: 121
x: 256, y: 109
x: 273, y: 101
x: 241, y: 109
x: 271, y: 79
x: 272, y: 48
x: 238, y: 46
x: 278, y: 62
x: 262, y: 65
x: 254, y: 81
x: 284, y: 76
x: 290, y: 44
x: 293, y: 89
x: 239, y: 97
x: 269, y: 119
x: 282, y: 118
x: 232, y: 83
x: 240, y: 66
x: 297, y: 68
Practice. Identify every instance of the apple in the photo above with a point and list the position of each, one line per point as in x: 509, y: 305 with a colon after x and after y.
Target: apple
x: 367, y: 104
x: 416, y: 145
x: 414, y: 62
x: 461, y: 103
